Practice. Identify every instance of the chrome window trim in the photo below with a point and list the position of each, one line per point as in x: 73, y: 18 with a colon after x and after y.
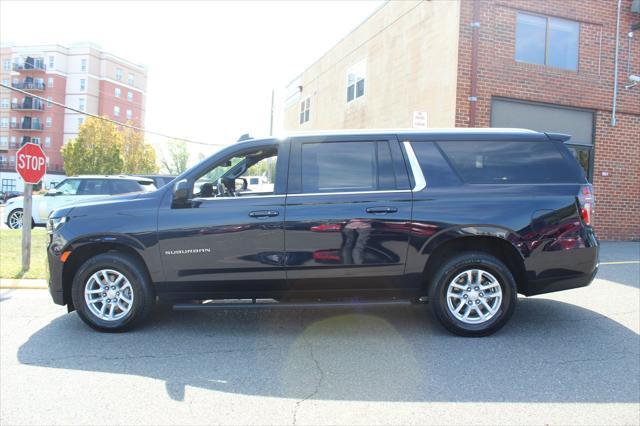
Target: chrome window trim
x: 391, y: 191
x: 238, y: 198
x: 416, y: 170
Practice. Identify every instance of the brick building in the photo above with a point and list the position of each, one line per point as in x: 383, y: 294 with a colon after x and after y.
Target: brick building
x: 81, y: 76
x: 544, y: 65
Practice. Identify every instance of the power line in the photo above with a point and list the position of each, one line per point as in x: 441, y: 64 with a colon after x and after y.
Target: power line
x: 130, y: 126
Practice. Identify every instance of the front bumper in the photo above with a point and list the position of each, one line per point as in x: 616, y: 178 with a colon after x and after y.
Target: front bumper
x: 56, y: 284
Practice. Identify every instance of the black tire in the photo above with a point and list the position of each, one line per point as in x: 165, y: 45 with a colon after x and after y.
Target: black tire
x: 134, y: 272
x: 458, y: 264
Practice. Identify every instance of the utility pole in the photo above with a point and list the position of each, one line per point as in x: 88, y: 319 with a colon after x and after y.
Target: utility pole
x: 273, y: 93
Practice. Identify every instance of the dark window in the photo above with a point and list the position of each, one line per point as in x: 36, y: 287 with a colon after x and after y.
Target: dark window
x: 347, y: 166
x: 547, y: 41
x: 93, y: 187
x: 304, y: 110
x: 510, y: 162
x: 124, y: 186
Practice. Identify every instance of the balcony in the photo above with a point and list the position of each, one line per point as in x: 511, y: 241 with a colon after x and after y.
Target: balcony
x: 30, y: 66
x: 30, y: 86
x: 28, y: 127
x: 28, y: 106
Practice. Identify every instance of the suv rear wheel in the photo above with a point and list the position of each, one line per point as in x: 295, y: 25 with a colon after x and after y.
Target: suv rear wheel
x: 111, y: 292
x: 473, y: 294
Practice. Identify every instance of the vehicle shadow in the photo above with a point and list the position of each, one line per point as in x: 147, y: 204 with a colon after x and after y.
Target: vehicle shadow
x: 549, y: 352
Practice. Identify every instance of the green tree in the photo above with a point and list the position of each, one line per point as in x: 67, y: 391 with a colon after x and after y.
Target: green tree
x: 178, y: 157
x: 96, y: 150
x: 139, y: 157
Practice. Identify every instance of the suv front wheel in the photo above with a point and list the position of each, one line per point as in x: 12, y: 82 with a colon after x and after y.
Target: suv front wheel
x: 473, y: 294
x: 111, y: 292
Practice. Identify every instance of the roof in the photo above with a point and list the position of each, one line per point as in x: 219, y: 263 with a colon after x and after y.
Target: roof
x: 120, y: 177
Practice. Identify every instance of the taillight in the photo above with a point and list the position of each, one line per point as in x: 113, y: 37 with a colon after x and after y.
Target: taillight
x: 586, y: 201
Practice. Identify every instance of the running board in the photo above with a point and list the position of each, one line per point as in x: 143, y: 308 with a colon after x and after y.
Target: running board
x: 267, y: 304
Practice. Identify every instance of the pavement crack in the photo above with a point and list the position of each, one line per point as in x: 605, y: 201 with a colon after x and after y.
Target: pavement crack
x: 316, y: 388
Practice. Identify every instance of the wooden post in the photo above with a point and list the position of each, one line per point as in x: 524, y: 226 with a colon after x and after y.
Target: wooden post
x: 26, y: 228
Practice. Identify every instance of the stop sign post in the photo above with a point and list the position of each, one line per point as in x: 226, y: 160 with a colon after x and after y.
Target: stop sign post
x: 31, y: 165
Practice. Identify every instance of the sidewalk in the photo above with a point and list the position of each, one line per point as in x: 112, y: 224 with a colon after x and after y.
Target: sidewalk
x: 9, y: 283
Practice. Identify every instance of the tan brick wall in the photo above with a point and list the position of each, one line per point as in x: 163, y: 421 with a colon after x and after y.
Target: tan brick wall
x: 410, y: 49
x: 591, y: 86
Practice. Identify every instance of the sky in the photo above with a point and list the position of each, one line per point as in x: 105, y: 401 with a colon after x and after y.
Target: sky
x: 211, y: 64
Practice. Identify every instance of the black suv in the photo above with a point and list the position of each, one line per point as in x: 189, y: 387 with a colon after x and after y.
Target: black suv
x: 460, y: 219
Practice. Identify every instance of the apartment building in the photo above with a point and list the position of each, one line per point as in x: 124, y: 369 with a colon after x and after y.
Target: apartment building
x: 81, y: 76
x: 547, y: 66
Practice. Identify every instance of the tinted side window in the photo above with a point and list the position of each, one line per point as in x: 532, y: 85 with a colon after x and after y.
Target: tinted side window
x: 124, y: 186
x: 510, y: 162
x: 94, y: 187
x: 347, y: 166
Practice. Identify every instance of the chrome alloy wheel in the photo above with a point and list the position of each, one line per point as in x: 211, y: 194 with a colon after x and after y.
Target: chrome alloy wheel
x: 108, y: 294
x: 15, y: 219
x: 474, y: 296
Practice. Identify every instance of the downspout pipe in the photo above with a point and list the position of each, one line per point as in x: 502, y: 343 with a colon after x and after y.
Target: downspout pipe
x: 615, y: 68
x: 473, y: 98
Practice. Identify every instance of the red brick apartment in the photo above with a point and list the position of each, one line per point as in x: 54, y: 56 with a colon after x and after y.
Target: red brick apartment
x: 544, y: 65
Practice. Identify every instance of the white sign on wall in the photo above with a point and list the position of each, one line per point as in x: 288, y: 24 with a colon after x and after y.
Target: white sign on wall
x: 419, y: 120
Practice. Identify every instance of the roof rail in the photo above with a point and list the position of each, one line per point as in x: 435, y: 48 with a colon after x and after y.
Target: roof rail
x: 562, y: 137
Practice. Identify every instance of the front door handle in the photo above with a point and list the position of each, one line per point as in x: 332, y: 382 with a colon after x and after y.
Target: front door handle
x: 382, y: 210
x: 264, y: 213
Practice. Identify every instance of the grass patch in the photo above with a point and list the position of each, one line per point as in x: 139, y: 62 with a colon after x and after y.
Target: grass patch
x: 11, y: 253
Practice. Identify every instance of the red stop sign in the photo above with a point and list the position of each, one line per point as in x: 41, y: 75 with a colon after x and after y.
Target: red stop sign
x: 31, y: 163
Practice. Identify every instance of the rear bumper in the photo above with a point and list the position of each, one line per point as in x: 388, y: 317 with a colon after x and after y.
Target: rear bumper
x: 563, y: 270
x: 550, y: 285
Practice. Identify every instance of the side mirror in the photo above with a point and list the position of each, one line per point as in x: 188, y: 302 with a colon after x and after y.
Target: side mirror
x: 181, y: 191
x: 51, y: 192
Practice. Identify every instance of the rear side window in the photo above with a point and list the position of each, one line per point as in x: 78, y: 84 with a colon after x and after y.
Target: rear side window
x: 93, y: 187
x: 510, y: 162
x: 124, y: 186
x: 346, y: 166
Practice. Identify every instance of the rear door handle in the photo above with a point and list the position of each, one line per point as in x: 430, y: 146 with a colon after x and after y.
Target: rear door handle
x: 264, y: 213
x: 381, y: 210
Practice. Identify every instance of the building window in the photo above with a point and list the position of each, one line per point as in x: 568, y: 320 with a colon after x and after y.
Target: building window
x: 50, y: 82
x: 117, y: 92
x: 12, y: 160
x: 83, y: 65
x: 47, y: 142
x: 129, y: 114
x: 118, y: 74
x: 49, y: 99
x: 14, y: 122
x: 81, y: 104
x: 80, y: 121
x: 355, y: 81
x: 547, y: 41
x: 4, y: 122
x: 130, y: 96
x: 6, y: 65
x: 116, y: 111
x: 83, y: 83
x: 35, y: 140
x: 47, y: 122
x: 52, y: 62
x: 12, y: 142
x: 8, y: 184
x: 130, y: 79
x: 4, y: 103
x: 5, y: 81
x: 4, y: 142
x: 305, y: 105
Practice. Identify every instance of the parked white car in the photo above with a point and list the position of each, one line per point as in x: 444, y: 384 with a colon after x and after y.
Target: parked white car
x: 72, y: 190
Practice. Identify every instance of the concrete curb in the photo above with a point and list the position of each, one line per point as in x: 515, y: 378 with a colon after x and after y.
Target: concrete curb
x: 27, y: 284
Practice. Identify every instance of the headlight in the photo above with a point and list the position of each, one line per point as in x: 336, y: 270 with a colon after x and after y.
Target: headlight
x: 54, y: 223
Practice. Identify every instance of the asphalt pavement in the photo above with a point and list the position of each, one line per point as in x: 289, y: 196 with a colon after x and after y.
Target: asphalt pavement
x: 567, y: 358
